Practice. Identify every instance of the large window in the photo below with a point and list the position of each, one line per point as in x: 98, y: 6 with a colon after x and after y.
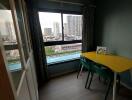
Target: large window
x: 51, y: 26
x: 72, y: 25
x: 62, y: 34
x: 8, y: 37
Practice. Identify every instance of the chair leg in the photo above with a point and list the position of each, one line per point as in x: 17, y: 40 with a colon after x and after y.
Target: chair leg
x: 87, y: 79
x: 99, y: 78
x: 107, y: 92
x: 92, y: 74
x: 80, y: 67
x: 118, y: 84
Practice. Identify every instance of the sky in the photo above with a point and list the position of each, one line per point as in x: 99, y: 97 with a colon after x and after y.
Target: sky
x: 47, y: 19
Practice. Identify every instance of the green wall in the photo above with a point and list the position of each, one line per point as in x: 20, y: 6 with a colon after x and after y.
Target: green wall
x: 4, y: 4
x: 113, y: 29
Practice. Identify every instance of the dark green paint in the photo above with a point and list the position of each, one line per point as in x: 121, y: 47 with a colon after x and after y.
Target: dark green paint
x: 113, y: 29
x: 4, y: 4
x: 55, y: 6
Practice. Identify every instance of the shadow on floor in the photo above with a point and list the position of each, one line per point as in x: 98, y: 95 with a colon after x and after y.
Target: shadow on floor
x: 68, y: 87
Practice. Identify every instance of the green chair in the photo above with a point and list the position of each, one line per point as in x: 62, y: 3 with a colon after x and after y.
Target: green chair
x: 100, y: 70
x: 87, y: 65
x: 104, y: 73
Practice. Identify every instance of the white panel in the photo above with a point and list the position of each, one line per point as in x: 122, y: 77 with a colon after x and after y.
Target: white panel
x: 31, y: 84
x: 31, y: 78
x: 34, y: 75
x: 24, y: 92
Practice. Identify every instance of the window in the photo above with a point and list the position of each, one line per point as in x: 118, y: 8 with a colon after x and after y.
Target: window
x: 8, y: 37
x: 10, y: 42
x: 51, y: 26
x: 7, y: 30
x: 72, y: 27
x: 13, y: 58
x: 59, y: 53
x: 62, y: 34
x: 13, y: 39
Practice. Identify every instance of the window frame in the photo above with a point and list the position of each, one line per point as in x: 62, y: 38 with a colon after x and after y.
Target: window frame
x: 51, y: 43
x: 62, y: 42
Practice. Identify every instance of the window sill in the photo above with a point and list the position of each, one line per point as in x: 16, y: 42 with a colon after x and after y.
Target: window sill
x: 15, y: 67
x: 63, y: 59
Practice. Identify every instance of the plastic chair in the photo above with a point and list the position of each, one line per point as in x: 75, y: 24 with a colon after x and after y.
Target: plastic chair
x: 99, y: 69
x: 85, y: 64
x: 102, y: 72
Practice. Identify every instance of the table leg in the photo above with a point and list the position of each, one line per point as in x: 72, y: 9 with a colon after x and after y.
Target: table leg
x: 80, y: 73
x: 114, y: 86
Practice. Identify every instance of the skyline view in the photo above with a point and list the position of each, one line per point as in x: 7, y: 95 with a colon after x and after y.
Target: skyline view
x: 8, y: 36
x: 51, y: 26
x: 7, y: 30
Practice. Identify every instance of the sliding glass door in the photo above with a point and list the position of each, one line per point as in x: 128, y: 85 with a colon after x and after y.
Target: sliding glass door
x: 16, y: 49
x: 10, y: 42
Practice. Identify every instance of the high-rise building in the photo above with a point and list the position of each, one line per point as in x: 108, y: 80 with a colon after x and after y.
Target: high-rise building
x: 74, y: 25
x: 7, y: 32
x: 70, y: 24
x: 56, y: 28
x: 66, y: 28
x: 47, y: 31
x: 78, y: 25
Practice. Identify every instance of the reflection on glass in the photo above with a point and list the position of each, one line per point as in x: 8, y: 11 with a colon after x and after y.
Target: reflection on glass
x: 51, y: 26
x: 72, y: 27
x: 13, y: 58
x: 14, y: 65
x: 7, y: 31
x: 8, y: 37
x: 62, y: 52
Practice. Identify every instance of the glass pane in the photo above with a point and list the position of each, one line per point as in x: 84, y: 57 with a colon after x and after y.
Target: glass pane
x: 22, y: 30
x: 14, y: 65
x: 59, y: 53
x: 8, y: 37
x: 7, y: 31
x: 72, y: 27
x: 51, y: 26
x: 13, y: 58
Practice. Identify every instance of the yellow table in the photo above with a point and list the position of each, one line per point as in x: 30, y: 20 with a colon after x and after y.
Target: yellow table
x: 117, y: 64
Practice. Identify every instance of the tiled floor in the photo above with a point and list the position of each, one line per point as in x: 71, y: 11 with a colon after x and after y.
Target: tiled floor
x: 68, y: 87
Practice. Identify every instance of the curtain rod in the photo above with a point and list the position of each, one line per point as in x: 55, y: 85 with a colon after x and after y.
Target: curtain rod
x: 80, y: 4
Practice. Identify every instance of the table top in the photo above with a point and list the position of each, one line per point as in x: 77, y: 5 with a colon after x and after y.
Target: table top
x: 115, y: 63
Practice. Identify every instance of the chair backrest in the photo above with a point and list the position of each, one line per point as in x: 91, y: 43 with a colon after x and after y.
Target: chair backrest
x: 85, y: 63
x: 103, y: 72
